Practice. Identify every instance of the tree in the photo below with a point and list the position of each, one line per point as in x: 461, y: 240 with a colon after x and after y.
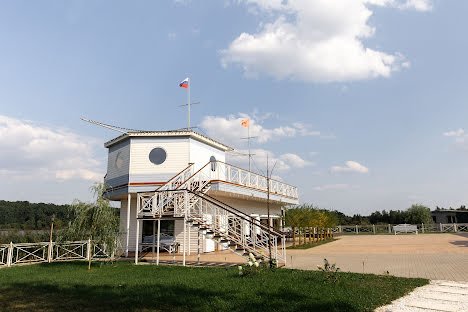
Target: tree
x: 96, y: 221
x: 294, y: 218
x: 418, y: 214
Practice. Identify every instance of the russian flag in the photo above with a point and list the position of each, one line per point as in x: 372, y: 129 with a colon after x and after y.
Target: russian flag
x: 184, y: 83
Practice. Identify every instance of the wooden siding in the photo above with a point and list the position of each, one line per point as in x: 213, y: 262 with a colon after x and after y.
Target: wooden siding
x: 118, y: 176
x: 123, y: 223
x: 252, y: 207
x: 200, y: 153
x: 177, y: 156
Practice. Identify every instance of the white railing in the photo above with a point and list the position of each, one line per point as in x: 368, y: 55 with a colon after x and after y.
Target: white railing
x: 232, y: 174
x: 389, y: 228
x: 28, y: 253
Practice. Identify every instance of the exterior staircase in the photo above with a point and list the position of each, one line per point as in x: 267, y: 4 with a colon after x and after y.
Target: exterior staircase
x: 185, y: 195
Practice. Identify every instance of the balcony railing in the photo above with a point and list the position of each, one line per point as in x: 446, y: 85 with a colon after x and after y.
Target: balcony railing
x: 232, y: 174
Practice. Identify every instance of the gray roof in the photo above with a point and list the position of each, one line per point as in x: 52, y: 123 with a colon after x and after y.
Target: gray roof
x: 174, y: 133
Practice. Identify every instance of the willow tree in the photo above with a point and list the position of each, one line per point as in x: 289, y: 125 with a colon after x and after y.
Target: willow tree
x: 97, y: 221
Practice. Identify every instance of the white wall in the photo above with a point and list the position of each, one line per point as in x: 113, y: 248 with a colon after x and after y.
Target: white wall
x: 200, y: 153
x: 123, y: 223
x: 177, y: 150
x: 252, y: 207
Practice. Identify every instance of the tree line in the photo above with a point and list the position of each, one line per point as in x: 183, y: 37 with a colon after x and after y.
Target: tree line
x: 23, y: 215
x: 415, y: 214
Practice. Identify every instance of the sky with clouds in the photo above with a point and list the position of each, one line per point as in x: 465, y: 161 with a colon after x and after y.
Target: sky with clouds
x: 360, y: 103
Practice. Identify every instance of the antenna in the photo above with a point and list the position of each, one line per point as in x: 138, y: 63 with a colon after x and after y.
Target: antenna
x: 115, y: 128
x: 248, y: 140
x: 188, y: 106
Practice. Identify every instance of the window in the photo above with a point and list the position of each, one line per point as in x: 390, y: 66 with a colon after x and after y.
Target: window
x: 119, y: 160
x: 157, y: 155
x: 213, y: 163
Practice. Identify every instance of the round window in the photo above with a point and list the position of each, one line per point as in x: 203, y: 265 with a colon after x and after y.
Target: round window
x: 157, y: 155
x: 119, y: 160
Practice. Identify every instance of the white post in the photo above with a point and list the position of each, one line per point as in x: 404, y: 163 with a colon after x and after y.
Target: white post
x: 89, y: 252
x: 455, y: 227
x: 154, y: 238
x: 129, y: 199
x: 357, y: 229
x: 422, y: 227
x: 137, y: 240
x: 159, y: 234
x: 440, y: 227
x: 189, y: 240
x: 373, y: 228
x: 185, y: 230
x: 10, y: 254
x: 198, y: 256
x: 389, y: 229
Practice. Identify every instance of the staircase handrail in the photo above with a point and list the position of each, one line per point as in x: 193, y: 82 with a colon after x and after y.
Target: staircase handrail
x: 236, y: 212
x: 193, y: 175
x: 175, y: 177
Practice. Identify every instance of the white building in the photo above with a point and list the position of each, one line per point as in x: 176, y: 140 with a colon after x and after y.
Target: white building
x: 180, y: 180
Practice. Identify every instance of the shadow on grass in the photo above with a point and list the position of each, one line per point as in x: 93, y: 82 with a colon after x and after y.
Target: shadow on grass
x: 48, y: 297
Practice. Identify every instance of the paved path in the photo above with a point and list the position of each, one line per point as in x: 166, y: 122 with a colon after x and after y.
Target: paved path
x: 439, y: 296
x: 432, y: 256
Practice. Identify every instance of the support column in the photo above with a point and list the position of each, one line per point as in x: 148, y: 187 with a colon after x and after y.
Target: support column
x: 159, y: 234
x: 185, y: 242
x: 189, y: 240
x: 154, y: 238
x: 137, y: 240
x: 129, y: 200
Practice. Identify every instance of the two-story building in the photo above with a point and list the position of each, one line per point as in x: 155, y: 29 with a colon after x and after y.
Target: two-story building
x: 181, y: 180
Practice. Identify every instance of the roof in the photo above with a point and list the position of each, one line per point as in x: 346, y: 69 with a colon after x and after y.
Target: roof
x: 174, y: 133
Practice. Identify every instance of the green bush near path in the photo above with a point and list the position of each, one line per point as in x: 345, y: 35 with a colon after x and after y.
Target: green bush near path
x: 123, y: 286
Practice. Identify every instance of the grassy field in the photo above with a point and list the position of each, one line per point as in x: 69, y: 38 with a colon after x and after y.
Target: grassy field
x: 126, y: 287
x: 314, y: 244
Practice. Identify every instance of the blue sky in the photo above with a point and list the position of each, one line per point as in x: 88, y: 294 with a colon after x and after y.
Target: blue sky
x: 362, y: 103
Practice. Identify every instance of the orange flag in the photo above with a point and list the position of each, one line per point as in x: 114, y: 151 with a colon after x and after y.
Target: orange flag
x: 245, y: 123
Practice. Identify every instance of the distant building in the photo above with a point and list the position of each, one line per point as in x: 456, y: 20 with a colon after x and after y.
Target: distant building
x: 450, y: 216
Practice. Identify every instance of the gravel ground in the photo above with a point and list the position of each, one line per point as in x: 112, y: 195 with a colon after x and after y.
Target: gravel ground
x: 437, y: 296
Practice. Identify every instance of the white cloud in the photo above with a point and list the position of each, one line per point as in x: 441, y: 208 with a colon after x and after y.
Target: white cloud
x: 282, y: 162
x: 30, y: 151
x: 461, y: 137
x: 457, y: 133
x: 316, y: 40
x: 229, y: 130
x: 332, y: 187
x: 351, y: 166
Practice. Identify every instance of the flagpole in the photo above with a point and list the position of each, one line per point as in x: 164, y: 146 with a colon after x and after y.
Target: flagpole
x: 188, y: 103
x: 248, y: 140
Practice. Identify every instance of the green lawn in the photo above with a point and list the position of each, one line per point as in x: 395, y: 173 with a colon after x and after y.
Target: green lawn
x: 126, y: 287
x: 307, y: 245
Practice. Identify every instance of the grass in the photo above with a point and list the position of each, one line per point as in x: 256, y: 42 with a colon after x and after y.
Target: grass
x: 314, y: 244
x: 126, y: 287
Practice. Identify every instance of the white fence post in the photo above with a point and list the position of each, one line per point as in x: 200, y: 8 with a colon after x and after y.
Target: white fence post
x: 88, y: 250
x: 440, y: 227
x: 357, y: 229
x: 455, y: 227
x: 10, y: 254
x: 422, y: 227
x: 373, y: 228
